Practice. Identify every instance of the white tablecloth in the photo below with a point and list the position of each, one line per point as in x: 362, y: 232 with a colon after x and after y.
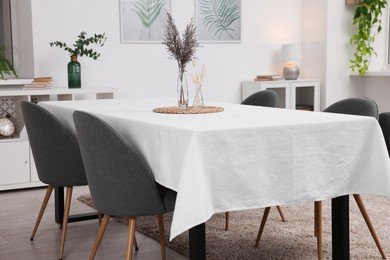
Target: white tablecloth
x: 246, y: 157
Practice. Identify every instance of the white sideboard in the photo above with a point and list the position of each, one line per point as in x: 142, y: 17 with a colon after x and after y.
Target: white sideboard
x: 293, y: 94
x: 16, y: 160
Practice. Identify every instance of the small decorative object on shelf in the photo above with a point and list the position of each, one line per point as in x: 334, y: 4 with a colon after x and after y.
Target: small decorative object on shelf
x: 183, y: 50
x: 74, y: 73
x: 268, y: 77
x: 7, y: 126
x: 80, y: 48
x: 39, y: 83
x: 197, y: 79
x: 353, y: 2
x: 291, y: 53
x: 6, y: 67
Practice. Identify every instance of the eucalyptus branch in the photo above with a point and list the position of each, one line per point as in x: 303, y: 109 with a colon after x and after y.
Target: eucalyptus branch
x: 80, y: 45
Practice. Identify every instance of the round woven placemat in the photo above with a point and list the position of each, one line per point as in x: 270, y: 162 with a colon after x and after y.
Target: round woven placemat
x: 189, y: 110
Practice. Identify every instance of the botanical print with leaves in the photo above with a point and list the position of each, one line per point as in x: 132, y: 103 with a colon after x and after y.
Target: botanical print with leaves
x: 218, y: 20
x: 143, y: 20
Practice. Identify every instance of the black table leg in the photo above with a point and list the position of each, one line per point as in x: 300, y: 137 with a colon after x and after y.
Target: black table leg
x: 340, y: 227
x: 197, y: 236
x: 59, y: 209
x: 59, y: 204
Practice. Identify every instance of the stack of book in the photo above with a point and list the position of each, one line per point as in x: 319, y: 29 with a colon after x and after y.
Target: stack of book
x: 39, y: 83
x: 268, y: 77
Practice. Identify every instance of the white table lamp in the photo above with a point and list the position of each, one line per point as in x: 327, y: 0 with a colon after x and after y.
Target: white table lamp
x: 291, y: 53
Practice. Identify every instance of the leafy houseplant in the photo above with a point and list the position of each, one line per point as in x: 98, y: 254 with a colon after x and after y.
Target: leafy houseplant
x: 367, y: 18
x: 6, y: 67
x: 183, y: 50
x: 81, y: 47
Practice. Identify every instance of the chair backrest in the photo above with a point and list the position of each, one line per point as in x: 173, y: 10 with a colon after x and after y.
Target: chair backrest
x: 265, y: 98
x: 361, y: 106
x: 55, y: 148
x: 384, y: 121
x: 120, y: 180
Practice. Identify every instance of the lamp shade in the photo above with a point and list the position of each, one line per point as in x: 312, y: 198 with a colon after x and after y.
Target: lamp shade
x: 291, y: 52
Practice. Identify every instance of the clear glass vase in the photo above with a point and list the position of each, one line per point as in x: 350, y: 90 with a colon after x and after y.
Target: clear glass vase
x: 198, y: 99
x: 182, y: 91
x: 74, y: 73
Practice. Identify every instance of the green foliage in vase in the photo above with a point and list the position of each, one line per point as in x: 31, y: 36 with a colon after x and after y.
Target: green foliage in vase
x: 81, y: 45
x: 147, y: 11
x: 219, y: 15
x: 180, y: 48
x: 6, y: 67
x: 367, y: 19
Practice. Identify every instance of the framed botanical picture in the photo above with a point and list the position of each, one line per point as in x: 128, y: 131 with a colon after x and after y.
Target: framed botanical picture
x: 218, y: 20
x: 143, y: 21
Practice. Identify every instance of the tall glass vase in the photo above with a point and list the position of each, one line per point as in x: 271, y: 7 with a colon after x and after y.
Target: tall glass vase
x: 182, y: 91
x: 74, y: 73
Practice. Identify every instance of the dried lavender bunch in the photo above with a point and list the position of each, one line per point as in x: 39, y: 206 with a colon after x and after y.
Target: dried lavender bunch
x: 180, y: 48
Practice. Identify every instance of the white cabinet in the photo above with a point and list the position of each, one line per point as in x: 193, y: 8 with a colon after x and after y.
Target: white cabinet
x: 16, y: 160
x: 293, y: 94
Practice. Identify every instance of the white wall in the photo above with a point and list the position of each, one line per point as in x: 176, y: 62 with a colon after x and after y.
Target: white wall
x: 314, y: 40
x: 339, y: 83
x: 144, y: 69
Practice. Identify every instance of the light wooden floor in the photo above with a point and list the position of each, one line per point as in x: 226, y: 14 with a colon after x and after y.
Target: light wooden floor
x: 18, y: 211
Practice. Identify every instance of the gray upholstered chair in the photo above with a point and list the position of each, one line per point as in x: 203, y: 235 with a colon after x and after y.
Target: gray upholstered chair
x: 57, y: 157
x: 384, y: 121
x: 353, y: 106
x: 120, y: 180
x: 264, y: 98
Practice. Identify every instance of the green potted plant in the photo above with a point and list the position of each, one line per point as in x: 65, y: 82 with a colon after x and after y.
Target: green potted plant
x: 6, y: 67
x: 367, y: 19
x: 81, y: 47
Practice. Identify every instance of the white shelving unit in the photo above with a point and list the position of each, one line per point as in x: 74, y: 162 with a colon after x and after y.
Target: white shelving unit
x: 293, y: 94
x: 18, y: 167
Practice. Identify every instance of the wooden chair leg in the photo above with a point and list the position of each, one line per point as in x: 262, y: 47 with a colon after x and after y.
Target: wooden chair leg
x: 99, y: 217
x: 68, y: 201
x: 131, y: 236
x: 262, y: 225
x: 99, y: 236
x: 227, y: 219
x: 363, y: 210
x: 318, y: 225
x: 41, y: 211
x: 315, y: 218
x: 135, y: 243
x: 281, y: 213
x: 135, y: 238
x: 162, y: 238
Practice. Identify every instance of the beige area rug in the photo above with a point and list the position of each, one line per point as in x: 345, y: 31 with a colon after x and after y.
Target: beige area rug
x: 293, y: 239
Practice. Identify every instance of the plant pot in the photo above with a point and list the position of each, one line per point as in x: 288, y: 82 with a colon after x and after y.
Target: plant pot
x: 74, y: 73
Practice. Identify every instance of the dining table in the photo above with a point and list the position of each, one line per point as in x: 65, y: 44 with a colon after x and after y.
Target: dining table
x: 233, y: 157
